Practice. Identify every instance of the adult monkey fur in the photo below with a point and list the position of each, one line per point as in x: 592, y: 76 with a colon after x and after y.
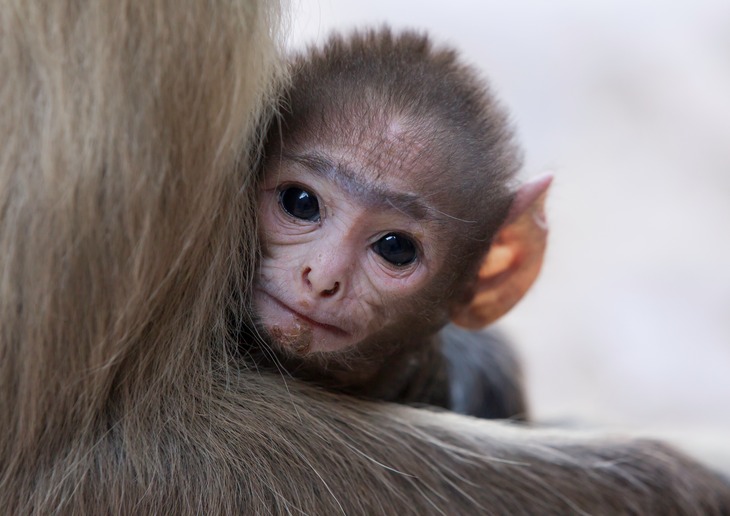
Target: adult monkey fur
x: 126, y: 229
x: 389, y: 175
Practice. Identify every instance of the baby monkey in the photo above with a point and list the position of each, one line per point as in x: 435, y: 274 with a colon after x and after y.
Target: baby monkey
x: 388, y: 209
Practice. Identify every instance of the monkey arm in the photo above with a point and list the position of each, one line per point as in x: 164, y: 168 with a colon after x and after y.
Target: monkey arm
x: 484, y: 372
x: 421, y: 462
x: 476, y: 373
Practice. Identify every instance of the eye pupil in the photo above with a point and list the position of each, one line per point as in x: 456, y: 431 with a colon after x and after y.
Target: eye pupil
x: 396, y: 249
x: 299, y: 203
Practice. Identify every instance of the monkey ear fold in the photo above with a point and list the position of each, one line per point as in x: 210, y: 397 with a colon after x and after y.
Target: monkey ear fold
x: 514, y: 259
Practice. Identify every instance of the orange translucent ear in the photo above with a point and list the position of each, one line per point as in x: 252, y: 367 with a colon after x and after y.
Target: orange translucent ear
x: 514, y: 259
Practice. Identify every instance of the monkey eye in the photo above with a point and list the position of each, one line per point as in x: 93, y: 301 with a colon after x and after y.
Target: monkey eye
x: 396, y: 249
x: 299, y: 203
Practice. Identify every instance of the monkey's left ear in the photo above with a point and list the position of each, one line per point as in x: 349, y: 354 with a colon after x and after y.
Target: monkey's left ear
x: 514, y: 259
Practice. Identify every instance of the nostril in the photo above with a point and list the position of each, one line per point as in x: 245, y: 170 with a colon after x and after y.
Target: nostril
x: 333, y: 290
x: 305, y: 276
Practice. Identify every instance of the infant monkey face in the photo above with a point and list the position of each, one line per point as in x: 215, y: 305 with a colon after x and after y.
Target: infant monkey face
x: 344, y: 254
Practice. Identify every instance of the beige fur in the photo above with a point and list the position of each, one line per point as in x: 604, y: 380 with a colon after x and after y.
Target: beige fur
x: 126, y: 134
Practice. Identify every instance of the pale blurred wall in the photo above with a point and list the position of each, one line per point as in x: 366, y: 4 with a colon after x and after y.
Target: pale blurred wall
x: 629, y: 103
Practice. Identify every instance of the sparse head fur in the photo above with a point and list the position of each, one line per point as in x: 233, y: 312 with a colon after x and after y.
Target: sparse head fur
x: 419, y: 106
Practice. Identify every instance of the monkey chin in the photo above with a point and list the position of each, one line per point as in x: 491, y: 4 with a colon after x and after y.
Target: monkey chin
x: 296, y: 340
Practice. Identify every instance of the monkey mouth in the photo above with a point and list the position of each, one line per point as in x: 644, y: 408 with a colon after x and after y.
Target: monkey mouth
x: 306, y: 320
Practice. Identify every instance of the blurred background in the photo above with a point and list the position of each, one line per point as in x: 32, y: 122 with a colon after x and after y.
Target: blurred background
x: 628, y: 102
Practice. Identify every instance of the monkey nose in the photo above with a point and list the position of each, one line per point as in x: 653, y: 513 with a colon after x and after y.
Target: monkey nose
x: 324, y: 287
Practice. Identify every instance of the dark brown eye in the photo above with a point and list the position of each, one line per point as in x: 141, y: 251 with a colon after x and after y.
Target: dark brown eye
x: 396, y: 249
x: 299, y: 203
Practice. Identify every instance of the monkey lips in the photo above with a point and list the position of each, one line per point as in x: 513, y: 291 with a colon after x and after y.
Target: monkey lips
x: 296, y: 331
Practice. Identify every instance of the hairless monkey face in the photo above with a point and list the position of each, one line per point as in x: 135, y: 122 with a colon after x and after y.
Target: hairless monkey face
x: 346, y: 246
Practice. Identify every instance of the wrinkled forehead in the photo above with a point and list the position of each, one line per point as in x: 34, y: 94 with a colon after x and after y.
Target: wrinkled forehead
x: 387, y: 150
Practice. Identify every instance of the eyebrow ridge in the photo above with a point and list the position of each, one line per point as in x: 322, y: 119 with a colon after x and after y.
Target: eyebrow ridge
x: 372, y: 193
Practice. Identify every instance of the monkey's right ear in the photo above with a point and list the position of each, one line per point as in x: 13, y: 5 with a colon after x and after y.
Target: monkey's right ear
x: 514, y: 259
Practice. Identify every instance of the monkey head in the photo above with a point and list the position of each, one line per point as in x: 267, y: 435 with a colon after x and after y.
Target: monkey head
x: 386, y: 181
